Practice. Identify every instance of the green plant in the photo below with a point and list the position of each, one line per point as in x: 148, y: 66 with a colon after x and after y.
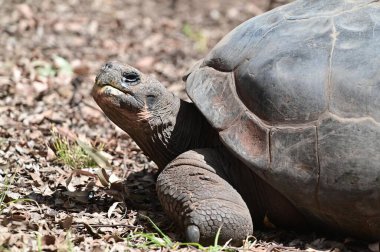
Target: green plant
x: 69, y: 243
x: 62, y: 65
x: 39, y: 241
x: 48, y: 69
x: 44, y: 68
x: 71, y: 153
x: 3, y: 249
x: 197, y: 36
x: 147, y: 241
x: 4, y: 189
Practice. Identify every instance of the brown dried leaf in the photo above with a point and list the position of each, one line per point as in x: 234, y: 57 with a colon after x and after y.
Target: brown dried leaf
x: 48, y: 240
x: 93, y: 232
x: 68, y: 181
x: 66, y: 223
x: 47, y: 191
x: 50, y: 155
x: 81, y: 69
x: 112, y: 208
x: 36, y: 179
x: 103, y: 177
x: 113, y: 238
x: 86, y: 172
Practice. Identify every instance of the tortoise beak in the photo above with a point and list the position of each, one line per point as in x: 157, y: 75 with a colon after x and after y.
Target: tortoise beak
x: 107, y: 75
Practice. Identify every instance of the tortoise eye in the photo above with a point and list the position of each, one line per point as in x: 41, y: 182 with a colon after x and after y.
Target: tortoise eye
x: 130, y: 77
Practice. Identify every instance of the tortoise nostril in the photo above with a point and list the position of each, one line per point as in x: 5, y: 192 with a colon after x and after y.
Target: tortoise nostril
x: 108, y: 65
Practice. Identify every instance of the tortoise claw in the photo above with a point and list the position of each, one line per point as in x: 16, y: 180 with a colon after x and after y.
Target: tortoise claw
x: 192, y: 233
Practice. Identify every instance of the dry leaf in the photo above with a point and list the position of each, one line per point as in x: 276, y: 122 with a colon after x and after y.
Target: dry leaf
x: 36, y: 179
x: 92, y: 231
x: 66, y: 222
x: 36, y: 94
x: 113, y: 178
x: 67, y: 182
x: 103, y: 177
x: 50, y: 155
x: 112, y: 208
x: 113, y: 238
x: 48, y: 240
x: 81, y: 69
x: 89, y: 172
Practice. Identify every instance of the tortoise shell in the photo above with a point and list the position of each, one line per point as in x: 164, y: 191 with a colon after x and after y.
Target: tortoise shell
x: 295, y: 94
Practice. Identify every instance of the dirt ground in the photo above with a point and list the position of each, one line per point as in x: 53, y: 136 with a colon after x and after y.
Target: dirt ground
x: 50, y: 52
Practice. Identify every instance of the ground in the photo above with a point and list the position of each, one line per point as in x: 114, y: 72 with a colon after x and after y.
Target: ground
x: 70, y: 180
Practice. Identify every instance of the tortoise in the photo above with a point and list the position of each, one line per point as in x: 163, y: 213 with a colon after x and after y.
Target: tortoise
x: 284, y: 125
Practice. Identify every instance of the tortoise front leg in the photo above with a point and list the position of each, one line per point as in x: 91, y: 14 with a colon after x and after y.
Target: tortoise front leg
x: 193, y: 191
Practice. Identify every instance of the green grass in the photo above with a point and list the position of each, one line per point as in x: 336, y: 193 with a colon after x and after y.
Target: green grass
x: 159, y: 240
x: 70, y: 153
x: 3, y: 191
x: 39, y: 241
x: 5, y: 188
x: 3, y: 249
x: 53, y: 68
x: 197, y: 36
x: 69, y: 243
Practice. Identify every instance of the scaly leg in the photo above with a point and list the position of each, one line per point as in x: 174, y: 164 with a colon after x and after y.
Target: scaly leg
x: 193, y: 191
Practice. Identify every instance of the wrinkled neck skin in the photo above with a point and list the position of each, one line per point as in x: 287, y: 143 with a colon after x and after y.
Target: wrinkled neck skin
x: 174, y: 128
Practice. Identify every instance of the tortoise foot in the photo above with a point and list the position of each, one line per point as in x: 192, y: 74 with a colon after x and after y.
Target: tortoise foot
x: 192, y: 233
x: 194, y: 193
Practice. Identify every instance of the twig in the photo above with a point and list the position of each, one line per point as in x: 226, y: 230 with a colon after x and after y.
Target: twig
x: 105, y: 225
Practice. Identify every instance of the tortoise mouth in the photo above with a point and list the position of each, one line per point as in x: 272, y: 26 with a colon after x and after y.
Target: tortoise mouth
x: 114, y: 89
x: 115, y: 97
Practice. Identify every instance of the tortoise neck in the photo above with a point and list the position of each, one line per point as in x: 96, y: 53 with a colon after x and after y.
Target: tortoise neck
x: 181, y: 129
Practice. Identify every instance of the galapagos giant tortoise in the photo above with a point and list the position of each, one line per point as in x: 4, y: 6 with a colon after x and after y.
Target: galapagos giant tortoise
x: 284, y: 124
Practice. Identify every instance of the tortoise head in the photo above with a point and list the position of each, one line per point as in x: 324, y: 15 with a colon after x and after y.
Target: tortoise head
x: 130, y: 98
x: 161, y: 124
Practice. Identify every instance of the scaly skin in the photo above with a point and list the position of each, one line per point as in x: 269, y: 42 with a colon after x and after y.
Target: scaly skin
x: 161, y: 124
x: 192, y: 191
x: 201, y: 185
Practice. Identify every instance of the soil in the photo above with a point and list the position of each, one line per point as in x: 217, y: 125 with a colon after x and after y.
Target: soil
x: 50, y: 53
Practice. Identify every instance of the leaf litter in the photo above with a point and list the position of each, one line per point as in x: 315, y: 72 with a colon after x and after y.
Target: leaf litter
x: 91, y: 195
